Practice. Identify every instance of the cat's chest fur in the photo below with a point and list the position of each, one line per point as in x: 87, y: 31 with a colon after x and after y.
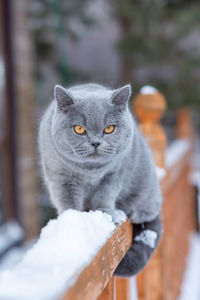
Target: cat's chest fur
x: 89, y: 179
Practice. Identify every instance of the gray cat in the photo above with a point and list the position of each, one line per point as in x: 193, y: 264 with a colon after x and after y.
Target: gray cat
x: 94, y: 157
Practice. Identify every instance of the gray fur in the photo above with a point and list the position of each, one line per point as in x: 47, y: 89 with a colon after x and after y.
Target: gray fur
x: 118, y: 174
x: 139, y: 253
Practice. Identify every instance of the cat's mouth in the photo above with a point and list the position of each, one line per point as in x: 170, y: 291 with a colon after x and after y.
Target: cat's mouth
x: 94, y: 155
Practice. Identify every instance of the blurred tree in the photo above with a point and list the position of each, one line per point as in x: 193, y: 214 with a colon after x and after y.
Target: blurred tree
x: 160, y: 38
x: 51, y: 22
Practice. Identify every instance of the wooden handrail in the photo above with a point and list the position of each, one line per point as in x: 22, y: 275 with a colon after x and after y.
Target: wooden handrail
x: 96, y: 275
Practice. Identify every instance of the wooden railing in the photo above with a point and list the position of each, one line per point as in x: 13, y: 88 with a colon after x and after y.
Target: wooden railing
x: 162, y: 277
x: 95, y: 277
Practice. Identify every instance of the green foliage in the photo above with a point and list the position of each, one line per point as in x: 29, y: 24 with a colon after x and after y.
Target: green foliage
x: 158, y: 34
x: 51, y: 22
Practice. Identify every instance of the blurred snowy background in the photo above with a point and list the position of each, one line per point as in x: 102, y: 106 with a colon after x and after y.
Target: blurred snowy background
x: 45, y: 42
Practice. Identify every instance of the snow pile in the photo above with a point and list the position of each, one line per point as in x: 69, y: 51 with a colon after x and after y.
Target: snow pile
x: 15, y: 255
x: 176, y: 151
x: 66, y: 245
x: 148, y: 90
x: 10, y: 233
x: 148, y: 237
x: 160, y: 172
x: 190, y: 287
x: 195, y: 178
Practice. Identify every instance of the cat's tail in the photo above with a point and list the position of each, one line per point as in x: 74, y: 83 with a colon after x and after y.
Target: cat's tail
x: 145, y: 239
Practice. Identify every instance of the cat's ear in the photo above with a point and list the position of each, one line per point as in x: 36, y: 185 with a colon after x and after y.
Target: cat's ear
x: 63, y: 98
x: 122, y: 95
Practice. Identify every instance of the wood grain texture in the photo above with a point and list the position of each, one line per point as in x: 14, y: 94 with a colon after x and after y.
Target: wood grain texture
x: 184, y: 128
x: 149, y: 109
x: 141, y: 284
x: 123, y: 289
x: 96, y: 275
x: 108, y: 292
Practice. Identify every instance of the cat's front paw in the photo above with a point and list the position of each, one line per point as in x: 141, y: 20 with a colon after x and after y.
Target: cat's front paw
x: 118, y: 215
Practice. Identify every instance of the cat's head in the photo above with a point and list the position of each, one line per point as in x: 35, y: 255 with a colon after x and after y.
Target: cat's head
x: 91, y: 122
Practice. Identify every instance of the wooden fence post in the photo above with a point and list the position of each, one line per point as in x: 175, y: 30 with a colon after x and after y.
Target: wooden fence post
x: 149, y: 107
x: 25, y: 111
x: 183, y: 125
x: 123, y: 289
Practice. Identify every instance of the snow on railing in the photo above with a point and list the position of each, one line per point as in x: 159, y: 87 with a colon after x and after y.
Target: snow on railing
x: 176, y: 151
x: 65, y: 248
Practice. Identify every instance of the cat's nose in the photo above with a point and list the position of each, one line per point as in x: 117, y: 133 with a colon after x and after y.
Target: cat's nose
x: 95, y: 145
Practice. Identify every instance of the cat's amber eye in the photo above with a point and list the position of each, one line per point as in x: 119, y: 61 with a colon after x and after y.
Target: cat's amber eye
x: 109, y: 129
x: 79, y: 129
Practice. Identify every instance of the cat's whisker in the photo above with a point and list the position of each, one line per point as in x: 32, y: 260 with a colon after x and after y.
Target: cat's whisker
x: 108, y: 148
x: 82, y: 152
x: 109, y: 152
x: 80, y: 148
x: 80, y: 145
